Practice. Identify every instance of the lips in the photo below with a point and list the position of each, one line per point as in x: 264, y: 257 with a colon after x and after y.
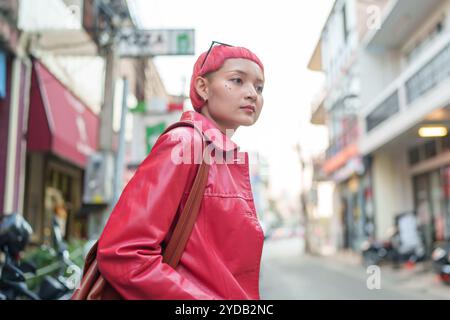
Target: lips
x: 251, y: 108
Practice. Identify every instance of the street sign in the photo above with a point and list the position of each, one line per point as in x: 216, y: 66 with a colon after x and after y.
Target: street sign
x: 148, y: 43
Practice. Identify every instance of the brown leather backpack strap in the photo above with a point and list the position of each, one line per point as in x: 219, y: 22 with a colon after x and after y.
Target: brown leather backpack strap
x: 185, y: 223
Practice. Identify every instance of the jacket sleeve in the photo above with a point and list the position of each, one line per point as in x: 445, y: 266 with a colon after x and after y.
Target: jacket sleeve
x: 129, y: 249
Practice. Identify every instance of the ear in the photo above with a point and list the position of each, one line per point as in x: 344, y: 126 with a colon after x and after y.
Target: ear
x: 201, y: 86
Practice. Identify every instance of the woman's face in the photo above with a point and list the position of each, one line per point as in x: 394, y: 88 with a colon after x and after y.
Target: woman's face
x: 233, y: 93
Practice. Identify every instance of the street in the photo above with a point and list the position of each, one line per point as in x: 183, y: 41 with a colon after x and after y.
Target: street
x: 287, y: 273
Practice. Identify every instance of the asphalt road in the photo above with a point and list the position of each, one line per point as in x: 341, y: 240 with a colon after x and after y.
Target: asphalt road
x: 287, y: 273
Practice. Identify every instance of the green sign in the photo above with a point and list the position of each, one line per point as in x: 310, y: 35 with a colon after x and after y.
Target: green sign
x: 152, y: 134
x: 141, y: 107
x: 183, y: 43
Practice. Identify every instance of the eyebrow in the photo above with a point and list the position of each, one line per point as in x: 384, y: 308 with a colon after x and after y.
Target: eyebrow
x: 244, y: 73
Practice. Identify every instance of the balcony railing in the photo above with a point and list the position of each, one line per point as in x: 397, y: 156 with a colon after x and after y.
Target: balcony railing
x: 422, y: 76
x: 429, y: 75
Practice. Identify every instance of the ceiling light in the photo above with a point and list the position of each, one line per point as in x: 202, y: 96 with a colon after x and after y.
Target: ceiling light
x: 431, y: 132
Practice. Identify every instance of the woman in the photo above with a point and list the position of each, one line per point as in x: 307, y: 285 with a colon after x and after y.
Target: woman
x: 222, y: 257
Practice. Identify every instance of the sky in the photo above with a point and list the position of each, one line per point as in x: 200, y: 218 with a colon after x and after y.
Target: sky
x: 283, y: 34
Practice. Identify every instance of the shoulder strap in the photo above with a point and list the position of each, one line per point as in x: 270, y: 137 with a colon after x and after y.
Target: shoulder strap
x: 185, y: 223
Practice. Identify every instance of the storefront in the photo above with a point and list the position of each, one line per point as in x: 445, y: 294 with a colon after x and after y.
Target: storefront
x: 354, y: 187
x: 352, y: 205
x: 62, y: 133
x: 431, y: 183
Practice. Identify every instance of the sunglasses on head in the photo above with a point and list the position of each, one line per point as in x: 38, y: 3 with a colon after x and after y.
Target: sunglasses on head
x: 210, y: 48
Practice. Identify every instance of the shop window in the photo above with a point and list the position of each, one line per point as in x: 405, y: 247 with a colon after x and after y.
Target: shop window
x: 414, y: 156
x: 430, y: 149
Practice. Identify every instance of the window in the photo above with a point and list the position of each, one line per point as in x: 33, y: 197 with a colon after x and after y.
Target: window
x: 382, y: 112
x: 414, y: 156
x: 430, y: 149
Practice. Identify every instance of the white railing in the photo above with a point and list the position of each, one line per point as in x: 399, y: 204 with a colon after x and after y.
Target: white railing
x: 400, y: 83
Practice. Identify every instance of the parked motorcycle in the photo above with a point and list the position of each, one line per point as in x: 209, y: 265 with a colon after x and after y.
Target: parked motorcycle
x: 15, y: 233
x: 404, y: 244
x: 377, y: 252
x: 441, y: 261
x: 14, y: 236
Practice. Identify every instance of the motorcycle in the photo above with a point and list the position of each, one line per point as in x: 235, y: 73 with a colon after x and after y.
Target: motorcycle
x: 377, y: 252
x: 15, y: 233
x: 14, y: 236
x: 441, y: 261
x: 404, y: 244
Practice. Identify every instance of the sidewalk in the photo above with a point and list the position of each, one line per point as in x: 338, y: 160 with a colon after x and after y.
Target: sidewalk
x: 419, y: 277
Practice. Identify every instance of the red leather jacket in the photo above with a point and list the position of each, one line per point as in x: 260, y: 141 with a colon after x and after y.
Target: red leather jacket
x: 222, y: 256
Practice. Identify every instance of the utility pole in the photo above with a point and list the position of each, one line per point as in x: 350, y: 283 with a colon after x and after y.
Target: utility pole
x: 303, y: 201
x: 104, y: 182
x: 118, y: 176
x: 106, y: 134
x: 107, y: 111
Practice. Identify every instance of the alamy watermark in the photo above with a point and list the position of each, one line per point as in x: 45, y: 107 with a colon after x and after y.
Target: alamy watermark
x: 373, y: 17
x: 221, y: 150
x: 373, y: 281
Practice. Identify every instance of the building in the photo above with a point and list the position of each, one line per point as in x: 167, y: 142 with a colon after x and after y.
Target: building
x: 61, y: 128
x: 337, y: 55
x: 405, y: 115
x: 51, y: 96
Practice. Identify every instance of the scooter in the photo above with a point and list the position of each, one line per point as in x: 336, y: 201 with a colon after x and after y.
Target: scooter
x: 398, y: 248
x: 14, y: 236
x: 60, y: 287
x: 377, y: 252
x: 441, y: 261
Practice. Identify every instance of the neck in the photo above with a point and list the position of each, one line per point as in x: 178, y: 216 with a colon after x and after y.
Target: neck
x: 223, y: 128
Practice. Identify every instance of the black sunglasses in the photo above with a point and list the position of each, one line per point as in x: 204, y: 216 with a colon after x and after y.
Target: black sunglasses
x: 209, y: 50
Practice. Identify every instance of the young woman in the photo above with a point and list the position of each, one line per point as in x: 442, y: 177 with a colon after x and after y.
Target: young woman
x: 221, y: 259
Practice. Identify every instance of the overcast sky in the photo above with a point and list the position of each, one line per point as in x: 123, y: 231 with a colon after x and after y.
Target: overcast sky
x: 283, y: 34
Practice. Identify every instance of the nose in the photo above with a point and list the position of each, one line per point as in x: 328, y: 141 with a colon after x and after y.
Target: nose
x: 251, y: 93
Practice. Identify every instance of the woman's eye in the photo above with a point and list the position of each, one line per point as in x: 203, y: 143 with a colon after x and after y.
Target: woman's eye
x: 237, y: 80
x: 260, y: 89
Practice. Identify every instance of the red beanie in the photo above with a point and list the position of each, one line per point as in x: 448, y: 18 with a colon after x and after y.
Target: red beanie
x: 215, y: 60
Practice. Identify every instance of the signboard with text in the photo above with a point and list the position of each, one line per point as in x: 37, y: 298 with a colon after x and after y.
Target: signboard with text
x: 148, y: 43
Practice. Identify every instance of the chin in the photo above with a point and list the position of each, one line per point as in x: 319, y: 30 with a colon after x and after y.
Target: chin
x: 247, y: 122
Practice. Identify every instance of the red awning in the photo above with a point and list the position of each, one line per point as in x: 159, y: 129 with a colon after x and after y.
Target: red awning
x: 340, y: 159
x: 58, y: 121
